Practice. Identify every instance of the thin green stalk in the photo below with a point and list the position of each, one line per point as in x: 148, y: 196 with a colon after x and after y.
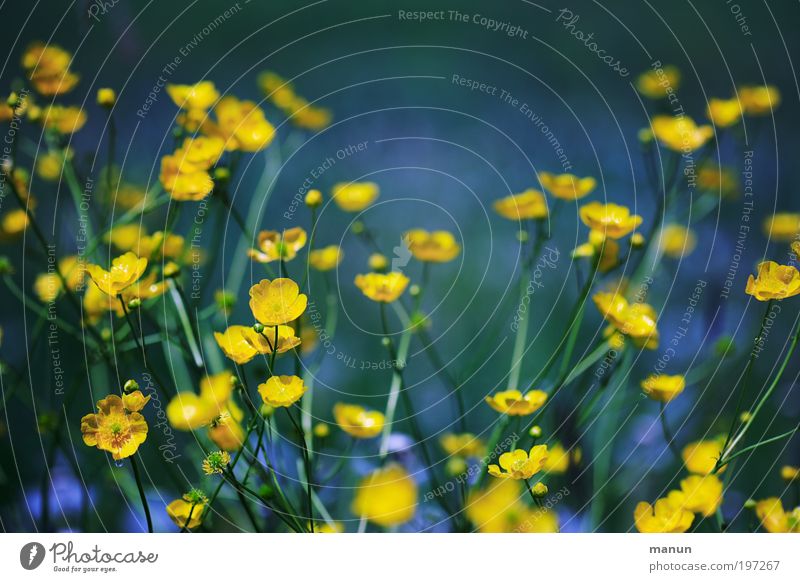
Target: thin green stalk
x: 140, y: 487
x: 307, y: 463
x: 673, y: 446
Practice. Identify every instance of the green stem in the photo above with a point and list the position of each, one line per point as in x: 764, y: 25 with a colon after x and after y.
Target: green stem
x: 140, y: 487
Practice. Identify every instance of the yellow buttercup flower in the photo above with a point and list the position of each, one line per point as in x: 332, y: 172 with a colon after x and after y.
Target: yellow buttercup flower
x: 782, y: 226
x: 498, y: 508
x: 668, y: 515
x: 656, y: 83
x: 113, y: 429
x: 183, y: 180
x: 567, y: 186
x: 125, y: 271
x: 63, y: 119
x: 773, y: 281
x: 134, y: 401
x: 242, y: 124
x: 514, y: 403
x: 264, y: 342
x: 357, y: 421
x: 611, y: 220
x: 386, y: 497
x: 282, y: 390
x: 188, y: 411
x: 186, y: 513
x: 227, y: 432
x: 277, y: 302
x: 662, y: 387
x: 713, y: 178
x: 326, y: 258
x: 677, y: 241
x: 759, y: 100
x: 200, y: 152
x: 47, y: 66
x: 724, y: 112
x: 48, y: 286
x: 200, y: 96
x: 437, y: 247
x: 50, y: 165
x: 13, y: 224
x: 276, y: 246
x: 235, y: 343
x: 378, y: 262
x: 774, y: 518
x: 382, y: 287
x: 681, y: 134
x: 701, y: 457
x: 518, y: 464
x: 557, y: 461
x: 464, y: 444
x: 637, y: 320
x: 607, y: 248
x: 702, y: 494
x: 321, y: 430
x: 789, y: 473
x: 529, y: 204
x: 355, y: 196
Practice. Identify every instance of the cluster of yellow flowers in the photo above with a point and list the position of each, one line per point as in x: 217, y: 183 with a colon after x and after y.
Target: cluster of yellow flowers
x: 299, y: 111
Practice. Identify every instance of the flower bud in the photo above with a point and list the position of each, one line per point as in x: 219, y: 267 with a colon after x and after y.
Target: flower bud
x: 358, y: 227
x: 313, y: 198
x: 258, y: 327
x: 106, y: 97
x: 637, y: 240
x: 378, y: 262
x: 130, y: 386
x: 539, y: 490
x: 456, y: 466
x: 134, y: 303
x: 321, y: 430
x: 535, y: 431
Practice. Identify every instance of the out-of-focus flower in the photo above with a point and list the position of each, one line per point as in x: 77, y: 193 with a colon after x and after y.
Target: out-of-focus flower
x: 518, y: 464
x: 216, y: 462
x: 283, y: 391
x: 63, y: 119
x: 354, y: 196
x: 386, y: 497
x: 514, y: 403
x: 321, y: 430
x: 50, y: 164
x: 774, y: 518
x: 277, y: 302
x: 720, y: 180
x: 438, y: 247
x: 759, y: 100
x: 199, y: 96
x: 183, y: 180
x: 681, y: 134
x: 326, y: 258
x: 782, y: 226
x: 498, y: 509
x: 773, y: 281
x: 299, y: 110
x: 529, y: 204
x: 668, y: 515
x: 357, y: 421
x: 637, y: 320
x: 276, y: 246
x: 226, y: 431
x: 382, y: 287
x: 463, y: 444
x: 241, y: 124
x: 187, y: 512
x: 48, y: 68
x: 702, y: 494
x: 607, y: 248
x: 48, y: 286
x: 557, y: 461
x: 125, y: 271
x: 188, y: 411
x: 567, y: 186
x: 611, y: 220
x: 13, y: 224
x: 677, y: 241
x: 724, y: 112
x: 656, y: 83
x: 113, y: 429
x: 662, y: 387
x: 790, y: 473
x: 701, y: 457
